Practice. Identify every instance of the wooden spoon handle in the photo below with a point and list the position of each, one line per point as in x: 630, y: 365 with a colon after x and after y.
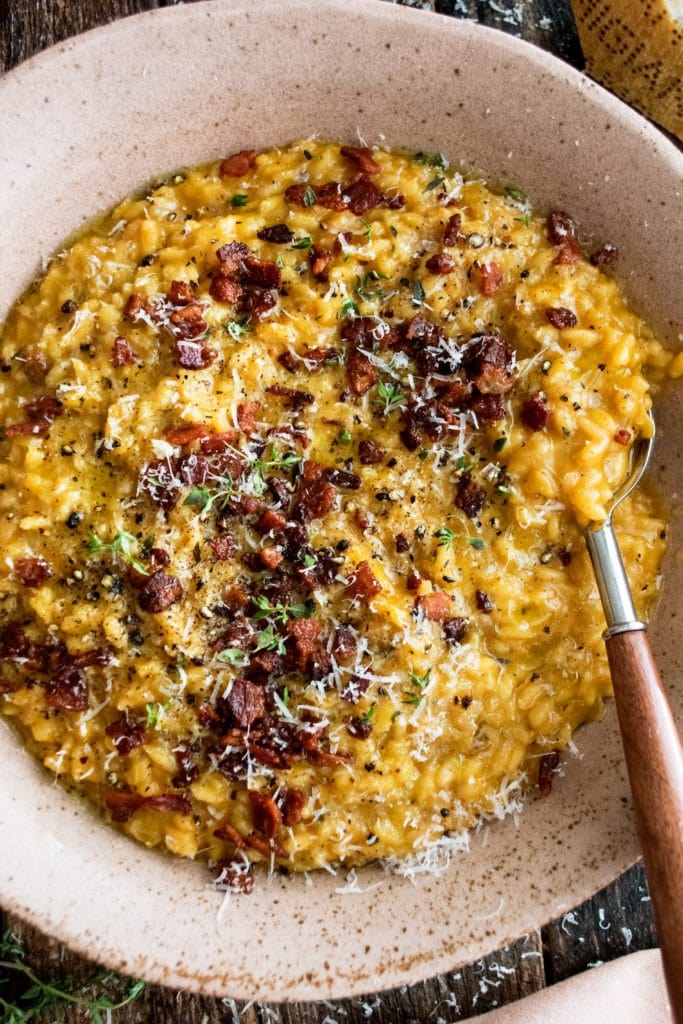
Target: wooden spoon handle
x: 654, y: 759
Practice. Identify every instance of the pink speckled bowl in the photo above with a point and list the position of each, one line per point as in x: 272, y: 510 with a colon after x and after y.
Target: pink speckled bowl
x: 93, y: 118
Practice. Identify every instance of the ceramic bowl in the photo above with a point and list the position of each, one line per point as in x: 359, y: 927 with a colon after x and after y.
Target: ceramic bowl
x: 102, y: 114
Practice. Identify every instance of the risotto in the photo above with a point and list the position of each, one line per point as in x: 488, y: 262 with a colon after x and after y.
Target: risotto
x: 297, y: 452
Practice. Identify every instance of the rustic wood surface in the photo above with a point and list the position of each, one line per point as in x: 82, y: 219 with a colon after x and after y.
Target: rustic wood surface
x: 616, y: 921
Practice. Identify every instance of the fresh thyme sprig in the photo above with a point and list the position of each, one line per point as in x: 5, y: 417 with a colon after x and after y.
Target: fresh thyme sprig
x: 121, y: 545
x: 41, y: 995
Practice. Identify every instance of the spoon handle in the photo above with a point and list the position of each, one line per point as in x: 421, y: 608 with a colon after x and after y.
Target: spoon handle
x: 654, y: 760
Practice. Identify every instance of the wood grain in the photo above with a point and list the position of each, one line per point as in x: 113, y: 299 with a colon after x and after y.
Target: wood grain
x: 654, y: 760
x: 616, y: 921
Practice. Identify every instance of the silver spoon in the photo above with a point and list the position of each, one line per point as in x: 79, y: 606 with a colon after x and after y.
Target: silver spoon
x: 652, y: 747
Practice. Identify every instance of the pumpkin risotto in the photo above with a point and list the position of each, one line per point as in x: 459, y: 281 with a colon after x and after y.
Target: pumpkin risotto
x: 297, y: 449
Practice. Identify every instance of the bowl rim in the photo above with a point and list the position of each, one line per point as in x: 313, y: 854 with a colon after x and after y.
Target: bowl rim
x: 633, y: 122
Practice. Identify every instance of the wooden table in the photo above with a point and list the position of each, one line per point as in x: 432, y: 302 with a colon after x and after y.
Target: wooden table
x: 616, y: 921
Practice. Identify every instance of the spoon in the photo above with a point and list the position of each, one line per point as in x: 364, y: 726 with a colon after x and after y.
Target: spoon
x: 652, y: 748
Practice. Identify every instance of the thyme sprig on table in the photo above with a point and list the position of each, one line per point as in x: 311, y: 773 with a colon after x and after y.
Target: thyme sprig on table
x: 40, y: 996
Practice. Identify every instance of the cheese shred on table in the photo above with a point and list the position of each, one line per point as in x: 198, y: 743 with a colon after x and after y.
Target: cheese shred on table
x: 297, y: 449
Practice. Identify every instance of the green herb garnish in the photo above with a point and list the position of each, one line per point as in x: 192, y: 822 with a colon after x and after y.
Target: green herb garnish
x: 309, y: 196
x: 121, y: 545
x: 364, y: 289
x: 236, y: 328
x: 445, y: 537
x: 434, y: 183
x: 348, y: 306
x: 39, y: 997
x: 432, y: 160
x: 499, y: 444
x: 476, y: 542
x: 206, y: 497
x: 390, y: 396
x: 303, y: 243
x: 279, y: 612
x: 419, y: 684
x: 369, y: 714
x: 516, y: 194
x: 419, y: 294
x: 233, y: 656
x: 239, y: 200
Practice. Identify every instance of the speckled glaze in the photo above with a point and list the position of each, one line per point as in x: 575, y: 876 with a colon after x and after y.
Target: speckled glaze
x: 95, y: 117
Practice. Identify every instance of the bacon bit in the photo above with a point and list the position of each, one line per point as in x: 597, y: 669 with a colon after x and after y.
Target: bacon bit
x: 485, y: 349
x: 470, y: 496
x: 368, y: 331
x: 568, y: 253
x: 193, y: 355
x: 358, y: 728
x: 560, y: 227
x: 180, y: 293
x: 326, y: 759
x: 440, y: 263
x: 535, y: 413
x: 123, y: 806
x: 344, y: 478
x: 547, y: 767
x: 159, y: 592
x: 238, y: 164
x: 188, y: 321
x: 159, y: 557
x: 236, y: 599
x: 296, y: 400
x: 370, y: 454
x: 402, y: 543
x: 257, y: 303
x: 315, y: 495
x: 33, y: 572
x: 305, y: 634
x: 229, y: 834
x: 362, y: 157
x: 235, y: 875
x: 67, y: 690
x: 623, y: 436
x: 363, y: 195
x: 34, y: 364
x: 561, y: 232
x: 455, y: 629
x: 214, y: 444
x: 292, y: 803
x: 186, y: 434
x: 18, y: 429
x: 271, y: 522
x: 265, y: 813
x: 488, y: 277
x: 361, y: 519
x: 484, y: 602
x: 344, y: 643
x: 319, y: 258
x: 126, y: 734
x: 246, y: 416
x: 435, y: 606
x: 278, y: 234
x: 354, y: 689
x: 266, y: 847
x: 363, y: 584
x: 134, y: 307
x: 225, y: 289
x: 123, y: 354
x: 260, y: 273
x: 231, y: 256
x: 488, y: 407
x: 223, y: 547
x: 331, y: 196
x: 207, y: 716
x: 246, y: 703
x: 560, y: 317
x: 295, y: 193
x: 45, y: 408
x: 360, y: 372
x: 452, y: 230
x: 494, y: 380
x: 187, y: 769
x: 413, y: 580
x: 270, y: 557
x: 411, y: 435
x: 605, y: 255
x: 5, y: 687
